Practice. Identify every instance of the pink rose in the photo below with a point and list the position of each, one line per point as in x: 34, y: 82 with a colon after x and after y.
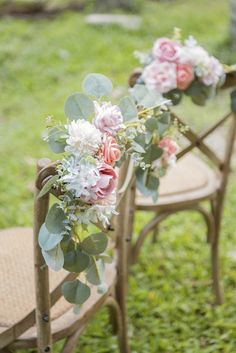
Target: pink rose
x: 107, y: 182
x: 165, y: 49
x: 169, y: 146
x: 111, y: 151
x: 185, y: 75
x: 160, y: 76
x: 108, y: 118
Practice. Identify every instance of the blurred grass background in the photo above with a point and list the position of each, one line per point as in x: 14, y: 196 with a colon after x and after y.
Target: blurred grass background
x: 42, y: 61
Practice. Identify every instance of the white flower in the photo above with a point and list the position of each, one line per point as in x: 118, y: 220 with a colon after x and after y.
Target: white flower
x: 84, y: 138
x: 211, y: 72
x: 80, y: 177
x: 97, y: 213
x: 193, y: 55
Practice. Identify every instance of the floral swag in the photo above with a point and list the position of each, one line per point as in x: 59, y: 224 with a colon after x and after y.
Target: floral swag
x: 95, y: 139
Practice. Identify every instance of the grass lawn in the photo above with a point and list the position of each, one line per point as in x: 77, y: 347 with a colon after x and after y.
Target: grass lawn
x: 41, y: 63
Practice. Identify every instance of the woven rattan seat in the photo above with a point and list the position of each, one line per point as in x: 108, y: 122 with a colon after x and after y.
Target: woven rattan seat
x: 17, y: 292
x: 190, y: 179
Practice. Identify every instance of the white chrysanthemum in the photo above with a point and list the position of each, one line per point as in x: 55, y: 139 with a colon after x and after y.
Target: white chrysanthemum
x: 84, y: 138
x: 80, y: 177
x: 97, y: 213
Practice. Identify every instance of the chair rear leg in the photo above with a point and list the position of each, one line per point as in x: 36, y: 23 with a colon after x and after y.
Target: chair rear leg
x: 215, y: 262
x: 71, y: 342
x: 155, y: 234
x: 119, y: 315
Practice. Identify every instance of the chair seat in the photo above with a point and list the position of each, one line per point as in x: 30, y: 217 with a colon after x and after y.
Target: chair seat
x: 190, y: 180
x: 17, y: 291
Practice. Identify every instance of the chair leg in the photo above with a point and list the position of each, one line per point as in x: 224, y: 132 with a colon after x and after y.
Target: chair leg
x: 71, y: 342
x: 219, y: 299
x: 155, y: 234
x: 119, y: 314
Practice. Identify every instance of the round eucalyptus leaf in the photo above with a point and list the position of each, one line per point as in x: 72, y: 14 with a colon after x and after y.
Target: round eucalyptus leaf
x: 97, y: 85
x: 76, y: 261
x: 95, y: 244
x: 48, y: 241
x: 55, y: 220
x: 78, y: 106
x: 75, y: 292
x: 54, y: 258
x: 128, y: 108
x: 95, y: 272
x: 102, y: 288
x: 152, y: 153
x: 56, y: 139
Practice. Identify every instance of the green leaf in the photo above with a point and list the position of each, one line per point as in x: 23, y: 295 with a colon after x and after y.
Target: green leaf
x: 78, y: 106
x: 54, y: 258
x: 137, y: 148
x: 75, y: 292
x: 97, y: 85
x: 147, y: 98
x: 95, y: 272
x: 102, y: 288
x: 47, y: 187
x: 152, y: 153
x: 95, y: 244
x: 55, y: 220
x: 147, y: 183
x: 48, y: 241
x: 128, y: 108
x: 56, y: 139
x: 76, y: 261
x: 199, y: 92
x: 163, y: 123
x: 233, y: 101
x: 151, y: 124
x: 175, y: 96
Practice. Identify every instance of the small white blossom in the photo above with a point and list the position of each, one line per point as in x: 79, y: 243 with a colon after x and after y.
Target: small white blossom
x: 84, y: 138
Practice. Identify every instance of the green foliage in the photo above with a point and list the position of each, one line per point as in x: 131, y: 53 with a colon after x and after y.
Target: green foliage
x: 47, y: 187
x: 48, y: 241
x: 76, y: 261
x: 95, y: 244
x: 56, y: 139
x: 97, y: 85
x: 54, y: 258
x: 78, y: 106
x: 75, y: 292
x: 146, y: 98
x: 55, y: 220
x: 128, y: 109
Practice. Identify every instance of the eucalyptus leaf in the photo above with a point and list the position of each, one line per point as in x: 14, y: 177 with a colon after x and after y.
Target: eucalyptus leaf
x: 137, y: 148
x: 95, y: 244
x: 102, y: 288
x: 175, y: 96
x: 146, y: 183
x: 97, y: 85
x: 152, y: 153
x: 75, y: 292
x: 147, y: 98
x: 233, y: 101
x: 55, y: 220
x: 93, y: 274
x: 48, y: 241
x: 76, y: 261
x: 56, y: 139
x: 78, y: 106
x: 128, y: 108
x: 163, y: 123
x: 47, y: 187
x: 54, y: 258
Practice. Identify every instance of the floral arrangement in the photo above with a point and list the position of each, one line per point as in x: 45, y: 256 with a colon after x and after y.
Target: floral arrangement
x: 175, y: 67
x: 95, y: 139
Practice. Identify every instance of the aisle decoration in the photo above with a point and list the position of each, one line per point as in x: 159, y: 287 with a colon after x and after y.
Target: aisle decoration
x: 95, y: 139
x: 175, y: 67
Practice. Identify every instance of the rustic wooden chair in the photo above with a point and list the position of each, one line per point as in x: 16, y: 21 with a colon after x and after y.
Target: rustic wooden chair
x: 29, y: 323
x: 190, y: 183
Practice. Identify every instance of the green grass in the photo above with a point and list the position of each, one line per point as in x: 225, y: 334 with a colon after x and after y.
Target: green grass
x: 41, y: 63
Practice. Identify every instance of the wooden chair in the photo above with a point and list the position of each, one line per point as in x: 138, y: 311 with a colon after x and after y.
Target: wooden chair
x: 28, y: 323
x: 190, y: 183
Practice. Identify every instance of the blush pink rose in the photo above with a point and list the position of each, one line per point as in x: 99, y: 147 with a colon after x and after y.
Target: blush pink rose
x: 160, y: 76
x: 185, y: 75
x: 108, y: 118
x: 169, y: 146
x: 165, y: 49
x: 107, y: 182
x: 111, y: 151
